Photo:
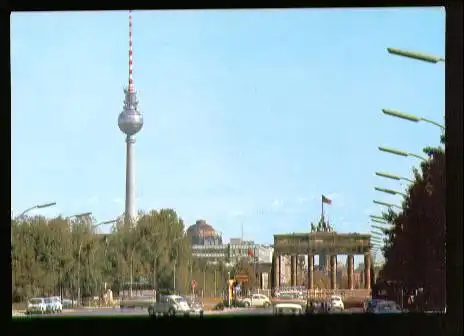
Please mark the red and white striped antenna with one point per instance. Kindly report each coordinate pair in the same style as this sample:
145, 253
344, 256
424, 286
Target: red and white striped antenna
131, 81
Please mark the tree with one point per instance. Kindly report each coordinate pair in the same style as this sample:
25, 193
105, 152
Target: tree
416, 249
57, 256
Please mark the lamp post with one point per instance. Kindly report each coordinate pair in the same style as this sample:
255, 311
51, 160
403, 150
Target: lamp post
393, 177
228, 289
175, 263
382, 229
390, 191
378, 218
86, 214
132, 264
401, 153
410, 117
79, 215
390, 205
131, 275
38, 206
416, 55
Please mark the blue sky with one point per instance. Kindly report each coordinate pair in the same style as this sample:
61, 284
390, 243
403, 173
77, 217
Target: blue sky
249, 115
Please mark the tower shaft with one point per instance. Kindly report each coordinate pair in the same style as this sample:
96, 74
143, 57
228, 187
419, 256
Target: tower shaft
130, 180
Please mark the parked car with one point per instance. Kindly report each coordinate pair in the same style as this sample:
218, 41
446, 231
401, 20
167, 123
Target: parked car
170, 305
36, 305
288, 309
314, 306
137, 302
54, 304
336, 303
67, 303
387, 307
370, 304
257, 300
196, 305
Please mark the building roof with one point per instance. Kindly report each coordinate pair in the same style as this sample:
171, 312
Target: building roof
201, 228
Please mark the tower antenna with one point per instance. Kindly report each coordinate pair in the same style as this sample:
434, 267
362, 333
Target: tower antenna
131, 81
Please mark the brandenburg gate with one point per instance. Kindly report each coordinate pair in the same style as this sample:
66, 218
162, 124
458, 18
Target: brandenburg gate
326, 243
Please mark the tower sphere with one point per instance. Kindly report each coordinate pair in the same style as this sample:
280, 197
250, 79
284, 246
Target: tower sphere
130, 120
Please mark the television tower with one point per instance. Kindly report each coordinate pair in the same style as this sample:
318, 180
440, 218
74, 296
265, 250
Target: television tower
130, 121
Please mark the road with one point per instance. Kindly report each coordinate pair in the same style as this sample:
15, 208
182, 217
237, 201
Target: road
143, 312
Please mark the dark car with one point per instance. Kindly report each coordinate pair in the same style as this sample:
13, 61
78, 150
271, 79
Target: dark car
387, 307
317, 306
371, 304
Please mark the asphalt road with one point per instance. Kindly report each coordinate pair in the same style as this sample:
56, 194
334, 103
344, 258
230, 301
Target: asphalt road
143, 312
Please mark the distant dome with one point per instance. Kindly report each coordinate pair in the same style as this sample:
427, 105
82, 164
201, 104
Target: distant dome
202, 233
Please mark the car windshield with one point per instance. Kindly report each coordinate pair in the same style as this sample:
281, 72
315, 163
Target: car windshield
288, 310
179, 300
35, 301
387, 306
373, 303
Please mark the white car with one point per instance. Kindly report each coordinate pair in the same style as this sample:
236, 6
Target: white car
288, 309
257, 300
170, 305
36, 305
53, 304
336, 303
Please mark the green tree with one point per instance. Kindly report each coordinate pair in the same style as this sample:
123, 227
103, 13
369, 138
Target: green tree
416, 249
57, 256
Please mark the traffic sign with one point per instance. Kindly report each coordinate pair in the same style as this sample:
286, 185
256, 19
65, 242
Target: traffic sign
194, 283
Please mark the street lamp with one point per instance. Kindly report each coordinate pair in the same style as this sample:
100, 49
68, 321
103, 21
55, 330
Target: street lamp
401, 153
393, 177
80, 215
175, 263
411, 117
378, 218
416, 55
86, 214
39, 206
390, 205
228, 289
390, 191
384, 230
132, 264
105, 223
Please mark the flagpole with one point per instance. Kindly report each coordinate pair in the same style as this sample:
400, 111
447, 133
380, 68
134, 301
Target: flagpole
322, 204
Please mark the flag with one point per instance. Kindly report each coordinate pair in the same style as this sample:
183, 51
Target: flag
326, 200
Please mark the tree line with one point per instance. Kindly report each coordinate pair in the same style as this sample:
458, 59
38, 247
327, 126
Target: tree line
59, 256
415, 246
